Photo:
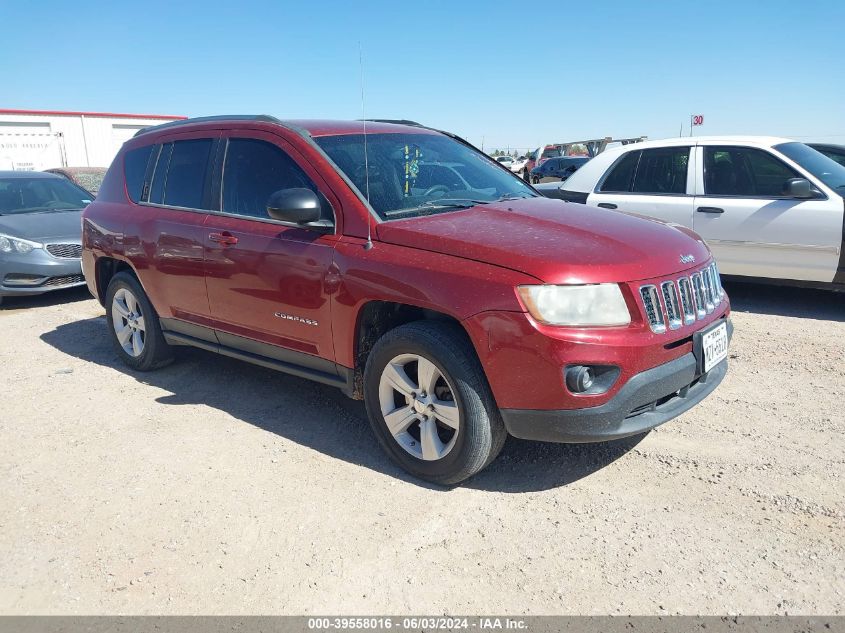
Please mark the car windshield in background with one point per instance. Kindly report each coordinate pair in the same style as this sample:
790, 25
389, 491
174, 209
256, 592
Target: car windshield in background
419, 174
828, 171
40, 195
90, 180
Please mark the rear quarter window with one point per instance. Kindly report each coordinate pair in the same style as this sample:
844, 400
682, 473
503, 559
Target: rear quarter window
135, 170
621, 173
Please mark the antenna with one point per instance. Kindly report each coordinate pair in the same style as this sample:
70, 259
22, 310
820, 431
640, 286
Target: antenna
369, 243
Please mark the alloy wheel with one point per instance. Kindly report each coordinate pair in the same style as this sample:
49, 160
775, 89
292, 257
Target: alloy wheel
128, 322
418, 406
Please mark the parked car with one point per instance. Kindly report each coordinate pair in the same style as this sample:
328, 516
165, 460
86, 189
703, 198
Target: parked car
457, 315
518, 164
40, 241
538, 157
833, 152
89, 178
507, 161
557, 169
770, 208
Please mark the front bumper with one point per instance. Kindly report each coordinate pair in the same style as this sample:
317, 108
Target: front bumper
647, 400
44, 271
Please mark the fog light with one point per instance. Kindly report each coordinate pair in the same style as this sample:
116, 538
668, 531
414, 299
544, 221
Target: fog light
579, 378
22, 279
590, 379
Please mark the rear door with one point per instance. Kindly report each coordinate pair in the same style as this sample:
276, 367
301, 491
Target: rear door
657, 182
167, 247
269, 284
752, 228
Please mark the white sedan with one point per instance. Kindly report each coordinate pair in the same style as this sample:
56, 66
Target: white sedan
767, 207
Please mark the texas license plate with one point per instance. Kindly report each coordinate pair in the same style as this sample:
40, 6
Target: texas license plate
714, 345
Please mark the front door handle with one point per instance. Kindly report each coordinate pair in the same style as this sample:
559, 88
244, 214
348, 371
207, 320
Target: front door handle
710, 210
225, 238
607, 205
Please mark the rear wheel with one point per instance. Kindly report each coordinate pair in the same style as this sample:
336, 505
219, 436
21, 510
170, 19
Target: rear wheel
134, 327
429, 403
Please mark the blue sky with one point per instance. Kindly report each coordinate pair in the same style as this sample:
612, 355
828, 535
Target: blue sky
496, 71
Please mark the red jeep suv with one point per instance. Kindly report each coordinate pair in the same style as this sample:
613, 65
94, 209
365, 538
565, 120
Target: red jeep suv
407, 268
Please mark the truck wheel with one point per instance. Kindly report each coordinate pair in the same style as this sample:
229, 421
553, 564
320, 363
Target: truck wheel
429, 403
133, 324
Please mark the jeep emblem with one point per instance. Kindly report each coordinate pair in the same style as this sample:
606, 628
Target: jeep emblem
687, 259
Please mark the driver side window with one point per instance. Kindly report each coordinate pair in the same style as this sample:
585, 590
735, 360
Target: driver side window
744, 171
253, 170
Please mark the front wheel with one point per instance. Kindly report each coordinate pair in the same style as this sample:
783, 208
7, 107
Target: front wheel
429, 403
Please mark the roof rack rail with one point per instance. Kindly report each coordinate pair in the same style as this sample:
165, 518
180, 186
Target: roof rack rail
396, 121
206, 119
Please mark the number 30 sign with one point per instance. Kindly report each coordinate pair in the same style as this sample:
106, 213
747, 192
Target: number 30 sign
698, 119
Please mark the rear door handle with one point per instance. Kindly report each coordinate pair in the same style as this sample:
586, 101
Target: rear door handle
225, 238
607, 205
710, 210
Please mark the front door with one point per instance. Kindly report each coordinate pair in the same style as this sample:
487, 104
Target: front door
752, 228
267, 282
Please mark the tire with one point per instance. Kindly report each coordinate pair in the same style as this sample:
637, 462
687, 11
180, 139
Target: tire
465, 433
127, 305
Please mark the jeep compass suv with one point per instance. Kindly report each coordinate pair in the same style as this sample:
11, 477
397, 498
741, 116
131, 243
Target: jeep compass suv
460, 309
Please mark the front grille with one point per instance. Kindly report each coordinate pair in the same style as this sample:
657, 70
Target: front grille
65, 280
65, 251
682, 301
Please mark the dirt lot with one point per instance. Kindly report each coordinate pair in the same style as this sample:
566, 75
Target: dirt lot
214, 486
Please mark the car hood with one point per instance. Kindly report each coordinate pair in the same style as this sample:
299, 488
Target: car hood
53, 225
554, 241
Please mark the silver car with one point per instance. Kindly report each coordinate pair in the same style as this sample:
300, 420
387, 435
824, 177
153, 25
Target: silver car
40, 233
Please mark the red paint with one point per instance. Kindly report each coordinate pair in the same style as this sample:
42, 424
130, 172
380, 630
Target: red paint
169, 117
465, 264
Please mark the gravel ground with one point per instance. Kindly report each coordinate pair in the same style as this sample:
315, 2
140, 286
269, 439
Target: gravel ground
213, 486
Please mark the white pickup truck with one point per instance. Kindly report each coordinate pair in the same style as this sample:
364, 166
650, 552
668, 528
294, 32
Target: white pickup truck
769, 208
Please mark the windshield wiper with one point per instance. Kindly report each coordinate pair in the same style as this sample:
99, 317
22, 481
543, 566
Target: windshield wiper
442, 203
515, 196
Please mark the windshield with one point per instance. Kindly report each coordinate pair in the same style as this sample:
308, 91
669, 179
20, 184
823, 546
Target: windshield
419, 174
40, 195
828, 171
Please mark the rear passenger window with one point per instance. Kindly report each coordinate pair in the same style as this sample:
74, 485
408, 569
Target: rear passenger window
662, 171
621, 174
255, 169
135, 169
187, 173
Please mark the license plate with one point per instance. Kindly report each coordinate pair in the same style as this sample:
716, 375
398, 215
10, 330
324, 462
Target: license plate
714, 345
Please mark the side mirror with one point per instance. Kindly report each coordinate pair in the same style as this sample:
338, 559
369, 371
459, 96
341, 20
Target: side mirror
797, 188
297, 206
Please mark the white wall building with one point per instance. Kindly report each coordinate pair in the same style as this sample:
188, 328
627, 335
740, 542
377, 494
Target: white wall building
40, 139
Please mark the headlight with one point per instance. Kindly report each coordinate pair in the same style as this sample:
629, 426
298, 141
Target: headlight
9, 244
597, 304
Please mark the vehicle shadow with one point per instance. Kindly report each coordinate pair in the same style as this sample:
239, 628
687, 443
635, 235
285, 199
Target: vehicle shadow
805, 303
321, 417
55, 297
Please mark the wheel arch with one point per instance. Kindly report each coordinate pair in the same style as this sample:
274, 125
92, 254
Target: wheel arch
374, 319
105, 269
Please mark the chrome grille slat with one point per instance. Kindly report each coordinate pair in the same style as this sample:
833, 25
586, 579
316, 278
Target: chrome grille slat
687, 300
698, 293
670, 299
653, 309
671, 304
65, 251
709, 299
